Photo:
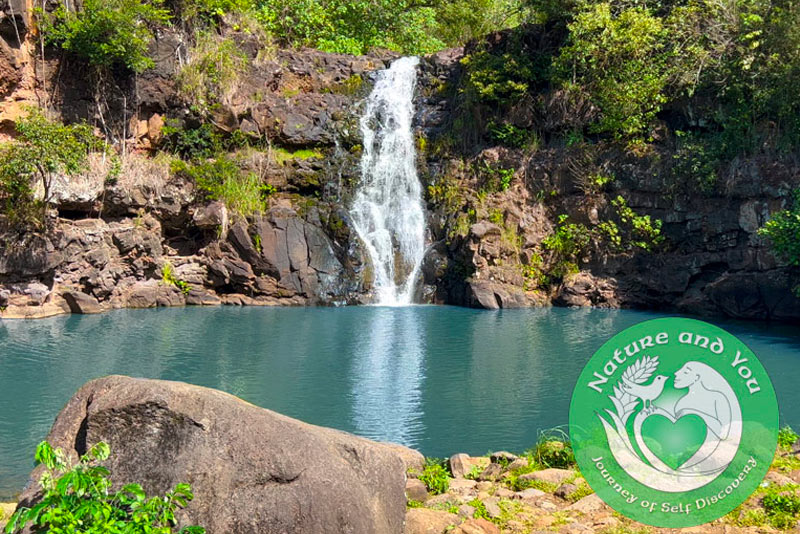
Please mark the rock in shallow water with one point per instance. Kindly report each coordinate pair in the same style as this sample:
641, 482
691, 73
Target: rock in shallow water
252, 470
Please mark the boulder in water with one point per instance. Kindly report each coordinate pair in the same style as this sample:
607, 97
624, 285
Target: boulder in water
252, 470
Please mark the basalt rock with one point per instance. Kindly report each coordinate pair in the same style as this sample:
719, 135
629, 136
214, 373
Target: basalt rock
252, 470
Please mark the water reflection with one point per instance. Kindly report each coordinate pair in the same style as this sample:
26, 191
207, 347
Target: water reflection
387, 376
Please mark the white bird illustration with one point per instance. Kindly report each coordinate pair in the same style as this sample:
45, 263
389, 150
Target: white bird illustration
647, 393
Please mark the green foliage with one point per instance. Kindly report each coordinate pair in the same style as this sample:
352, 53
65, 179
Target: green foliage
571, 241
193, 143
446, 193
107, 33
352, 26
783, 231
282, 156
782, 507
552, 449
786, 438
435, 476
621, 61
584, 490
222, 179
474, 472
496, 178
212, 72
507, 134
640, 230
168, 277
503, 76
695, 162
43, 150
78, 498
464, 20
211, 11
480, 509
567, 243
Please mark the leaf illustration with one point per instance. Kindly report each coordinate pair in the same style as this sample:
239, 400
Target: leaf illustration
641, 370
636, 373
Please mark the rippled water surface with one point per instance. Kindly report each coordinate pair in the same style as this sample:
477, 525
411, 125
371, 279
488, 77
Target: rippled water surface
440, 379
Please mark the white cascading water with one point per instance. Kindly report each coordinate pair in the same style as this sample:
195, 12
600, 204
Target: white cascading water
387, 211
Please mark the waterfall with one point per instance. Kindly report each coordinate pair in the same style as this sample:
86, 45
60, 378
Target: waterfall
387, 210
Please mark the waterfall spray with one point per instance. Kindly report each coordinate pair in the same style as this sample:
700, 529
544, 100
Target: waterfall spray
387, 211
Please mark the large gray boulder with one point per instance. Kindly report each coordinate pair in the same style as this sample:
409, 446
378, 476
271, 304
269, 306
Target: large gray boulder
252, 470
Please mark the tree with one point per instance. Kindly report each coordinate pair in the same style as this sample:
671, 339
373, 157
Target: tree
620, 59
107, 33
43, 150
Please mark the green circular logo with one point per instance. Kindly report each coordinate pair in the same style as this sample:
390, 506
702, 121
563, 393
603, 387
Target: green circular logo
674, 422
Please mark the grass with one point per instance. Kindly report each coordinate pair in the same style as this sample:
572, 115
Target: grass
786, 438
552, 450
282, 156
584, 490
214, 69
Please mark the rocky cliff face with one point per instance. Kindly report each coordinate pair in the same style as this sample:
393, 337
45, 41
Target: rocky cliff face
488, 240
146, 238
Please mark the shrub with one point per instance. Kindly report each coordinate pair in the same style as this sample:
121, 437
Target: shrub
193, 143
43, 150
480, 509
212, 72
352, 26
507, 134
782, 509
168, 277
107, 33
621, 61
77, 497
786, 438
567, 243
783, 231
435, 476
210, 11
553, 449
222, 179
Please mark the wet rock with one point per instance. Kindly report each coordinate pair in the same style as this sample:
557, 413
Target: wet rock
82, 303
493, 296
201, 297
583, 289
272, 475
